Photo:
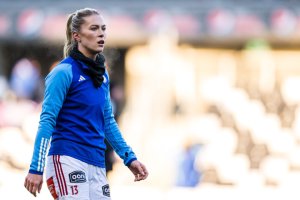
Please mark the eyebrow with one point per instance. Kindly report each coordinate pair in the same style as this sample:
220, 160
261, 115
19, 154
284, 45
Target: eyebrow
104, 25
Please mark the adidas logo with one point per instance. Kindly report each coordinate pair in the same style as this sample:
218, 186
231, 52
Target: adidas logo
81, 78
104, 79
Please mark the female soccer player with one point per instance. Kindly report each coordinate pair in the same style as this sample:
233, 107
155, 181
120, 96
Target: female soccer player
77, 116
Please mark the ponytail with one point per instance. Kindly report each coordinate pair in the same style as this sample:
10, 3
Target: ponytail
69, 42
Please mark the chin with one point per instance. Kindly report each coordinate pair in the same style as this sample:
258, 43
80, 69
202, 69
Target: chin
100, 49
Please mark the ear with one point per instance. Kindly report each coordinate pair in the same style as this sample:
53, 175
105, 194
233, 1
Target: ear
76, 37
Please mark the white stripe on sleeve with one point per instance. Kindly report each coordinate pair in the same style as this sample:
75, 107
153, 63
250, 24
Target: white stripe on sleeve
40, 155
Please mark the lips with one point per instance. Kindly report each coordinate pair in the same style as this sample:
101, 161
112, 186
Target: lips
101, 42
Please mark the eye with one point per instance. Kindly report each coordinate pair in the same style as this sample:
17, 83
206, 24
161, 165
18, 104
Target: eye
103, 28
94, 28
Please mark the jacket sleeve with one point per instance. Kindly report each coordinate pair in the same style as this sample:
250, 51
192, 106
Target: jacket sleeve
114, 136
57, 84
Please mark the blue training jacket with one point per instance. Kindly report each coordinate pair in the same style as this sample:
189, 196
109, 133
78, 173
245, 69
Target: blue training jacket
77, 117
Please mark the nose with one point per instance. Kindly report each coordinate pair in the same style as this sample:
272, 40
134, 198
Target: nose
101, 34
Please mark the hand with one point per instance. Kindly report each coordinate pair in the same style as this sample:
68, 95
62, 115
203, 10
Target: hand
139, 170
33, 183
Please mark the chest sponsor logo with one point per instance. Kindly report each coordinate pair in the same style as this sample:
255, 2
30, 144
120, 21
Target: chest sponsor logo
105, 190
77, 177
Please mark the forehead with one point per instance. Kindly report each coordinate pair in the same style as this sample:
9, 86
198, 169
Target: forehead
93, 20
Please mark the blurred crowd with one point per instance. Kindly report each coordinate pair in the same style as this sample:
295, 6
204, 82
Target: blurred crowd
20, 98
215, 118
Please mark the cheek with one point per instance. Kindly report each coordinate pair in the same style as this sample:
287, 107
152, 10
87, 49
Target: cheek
89, 37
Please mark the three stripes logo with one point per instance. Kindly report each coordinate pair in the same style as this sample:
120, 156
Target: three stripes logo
81, 78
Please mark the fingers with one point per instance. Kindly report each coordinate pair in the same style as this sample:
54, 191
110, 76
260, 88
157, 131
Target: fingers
34, 189
25, 183
40, 187
145, 171
136, 177
28, 185
140, 169
142, 172
32, 186
139, 177
139, 173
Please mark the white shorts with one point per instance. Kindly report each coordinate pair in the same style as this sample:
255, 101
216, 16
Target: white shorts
69, 178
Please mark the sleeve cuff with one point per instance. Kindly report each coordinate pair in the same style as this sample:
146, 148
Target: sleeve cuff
130, 161
35, 172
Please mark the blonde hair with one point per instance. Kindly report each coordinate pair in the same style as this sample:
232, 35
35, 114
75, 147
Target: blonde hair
75, 20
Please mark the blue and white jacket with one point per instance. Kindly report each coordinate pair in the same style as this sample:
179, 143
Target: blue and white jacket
77, 117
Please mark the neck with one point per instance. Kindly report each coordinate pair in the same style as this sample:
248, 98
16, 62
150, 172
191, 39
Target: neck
86, 53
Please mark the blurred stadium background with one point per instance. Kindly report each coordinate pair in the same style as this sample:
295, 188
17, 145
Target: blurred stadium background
206, 92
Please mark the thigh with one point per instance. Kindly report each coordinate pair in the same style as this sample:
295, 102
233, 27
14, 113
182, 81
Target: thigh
99, 187
67, 178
